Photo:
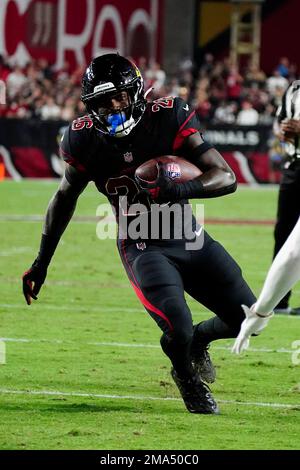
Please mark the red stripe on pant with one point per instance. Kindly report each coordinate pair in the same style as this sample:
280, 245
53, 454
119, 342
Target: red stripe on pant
149, 306
140, 294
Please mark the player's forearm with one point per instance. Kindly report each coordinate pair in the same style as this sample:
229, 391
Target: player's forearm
283, 274
217, 177
59, 213
213, 183
218, 182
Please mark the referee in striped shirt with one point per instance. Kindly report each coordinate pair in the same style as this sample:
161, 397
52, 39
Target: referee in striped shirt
287, 129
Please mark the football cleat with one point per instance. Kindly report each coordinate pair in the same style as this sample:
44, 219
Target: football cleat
287, 310
195, 394
295, 311
202, 362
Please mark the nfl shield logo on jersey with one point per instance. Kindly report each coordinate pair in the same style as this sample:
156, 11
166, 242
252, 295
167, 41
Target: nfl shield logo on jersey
128, 157
141, 246
173, 171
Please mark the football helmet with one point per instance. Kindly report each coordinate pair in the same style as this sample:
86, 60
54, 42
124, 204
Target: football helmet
113, 93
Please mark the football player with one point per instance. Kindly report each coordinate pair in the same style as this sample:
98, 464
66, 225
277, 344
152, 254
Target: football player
283, 274
120, 132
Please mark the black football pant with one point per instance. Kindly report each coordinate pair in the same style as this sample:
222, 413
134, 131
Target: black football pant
288, 211
161, 272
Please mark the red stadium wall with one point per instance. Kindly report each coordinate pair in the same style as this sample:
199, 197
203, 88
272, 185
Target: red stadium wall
279, 35
75, 31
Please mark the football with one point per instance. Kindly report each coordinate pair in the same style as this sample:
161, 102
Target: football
176, 168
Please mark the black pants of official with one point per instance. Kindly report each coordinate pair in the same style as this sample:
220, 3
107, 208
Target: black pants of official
160, 273
288, 211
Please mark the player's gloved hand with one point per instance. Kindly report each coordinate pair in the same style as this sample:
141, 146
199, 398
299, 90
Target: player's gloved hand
33, 279
162, 189
254, 323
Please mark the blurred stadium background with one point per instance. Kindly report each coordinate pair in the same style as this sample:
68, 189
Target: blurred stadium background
71, 359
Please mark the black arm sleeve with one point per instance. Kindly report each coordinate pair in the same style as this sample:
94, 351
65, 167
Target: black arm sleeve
219, 183
195, 189
47, 248
59, 213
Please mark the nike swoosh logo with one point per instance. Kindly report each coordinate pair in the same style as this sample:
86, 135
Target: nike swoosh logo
186, 107
198, 232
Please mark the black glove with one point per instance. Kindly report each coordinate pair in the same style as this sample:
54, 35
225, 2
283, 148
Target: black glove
37, 275
162, 189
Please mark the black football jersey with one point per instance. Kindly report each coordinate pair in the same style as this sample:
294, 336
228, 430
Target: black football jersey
111, 162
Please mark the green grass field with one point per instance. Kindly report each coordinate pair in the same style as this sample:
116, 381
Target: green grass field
83, 365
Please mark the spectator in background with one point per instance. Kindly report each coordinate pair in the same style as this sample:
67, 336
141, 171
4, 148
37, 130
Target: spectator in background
15, 81
283, 67
225, 113
142, 64
156, 78
276, 158
44, 68
202, 104
184, 93
255, 77
276, 99
4, 70
266, 118
76, 76
275, 82
64, 73
248, 116
207, 65
50, 110
36, 107
186, 69
292, 72
68, 110
218, 85
17, 109
234, 84
173, 87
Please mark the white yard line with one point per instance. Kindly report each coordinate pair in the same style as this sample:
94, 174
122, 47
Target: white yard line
130, 345
41, 218
138, 397
78, 308
16, 250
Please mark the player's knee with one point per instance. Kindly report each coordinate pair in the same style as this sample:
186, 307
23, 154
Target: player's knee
175, 339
